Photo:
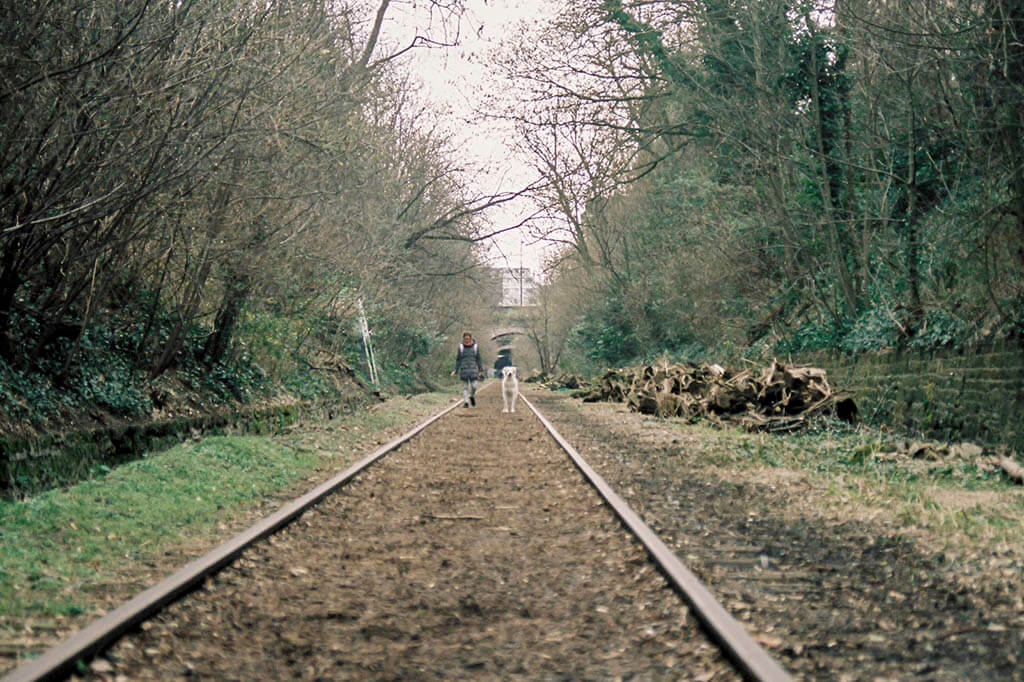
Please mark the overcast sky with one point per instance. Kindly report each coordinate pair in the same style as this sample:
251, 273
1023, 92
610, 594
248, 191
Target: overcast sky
455, 79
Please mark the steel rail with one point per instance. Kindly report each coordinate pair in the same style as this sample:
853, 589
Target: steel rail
59, 661
747, 654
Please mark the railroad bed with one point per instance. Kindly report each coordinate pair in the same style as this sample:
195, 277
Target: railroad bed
477, 551
474, 550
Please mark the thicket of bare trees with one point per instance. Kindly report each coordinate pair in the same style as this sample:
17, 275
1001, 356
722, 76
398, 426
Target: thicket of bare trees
208, 181
185, 178
840, 173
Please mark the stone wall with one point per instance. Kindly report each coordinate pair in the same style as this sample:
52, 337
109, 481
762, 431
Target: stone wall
975, 395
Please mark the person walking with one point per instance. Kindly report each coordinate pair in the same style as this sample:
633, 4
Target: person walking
470, 367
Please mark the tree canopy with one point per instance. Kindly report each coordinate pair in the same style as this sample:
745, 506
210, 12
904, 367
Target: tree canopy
775, 176
219, 181
226, 183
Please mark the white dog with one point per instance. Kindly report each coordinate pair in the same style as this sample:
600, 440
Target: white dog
509, 387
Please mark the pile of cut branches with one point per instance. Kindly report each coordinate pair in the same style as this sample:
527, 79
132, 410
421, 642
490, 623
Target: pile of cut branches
776, 398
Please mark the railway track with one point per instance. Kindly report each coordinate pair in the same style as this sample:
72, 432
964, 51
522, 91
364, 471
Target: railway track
473, 550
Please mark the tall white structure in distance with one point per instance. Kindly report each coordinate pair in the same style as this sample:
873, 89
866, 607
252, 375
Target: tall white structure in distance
518, 287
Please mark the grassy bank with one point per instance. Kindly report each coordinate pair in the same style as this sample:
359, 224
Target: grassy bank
67, 554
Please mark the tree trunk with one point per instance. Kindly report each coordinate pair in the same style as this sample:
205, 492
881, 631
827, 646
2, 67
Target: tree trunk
235, 294
830, 218
371, 42
9, 283
910, 225
190, 305
1008, 32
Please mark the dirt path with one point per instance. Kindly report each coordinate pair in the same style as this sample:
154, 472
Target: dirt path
473, 552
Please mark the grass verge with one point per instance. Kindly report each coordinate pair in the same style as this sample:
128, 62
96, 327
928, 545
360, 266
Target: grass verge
959, 506
67, 554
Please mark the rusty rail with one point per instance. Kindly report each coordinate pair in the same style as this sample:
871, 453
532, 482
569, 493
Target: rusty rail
747, 654
59, 661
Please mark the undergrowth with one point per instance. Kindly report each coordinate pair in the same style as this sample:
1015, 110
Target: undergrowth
107, 378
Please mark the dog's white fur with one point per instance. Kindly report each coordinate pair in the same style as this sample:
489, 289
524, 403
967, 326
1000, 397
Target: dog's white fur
509, 387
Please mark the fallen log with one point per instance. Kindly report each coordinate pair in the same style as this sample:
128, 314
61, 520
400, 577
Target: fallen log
1012, 469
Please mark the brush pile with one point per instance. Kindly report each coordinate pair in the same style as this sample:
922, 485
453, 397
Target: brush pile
776, 399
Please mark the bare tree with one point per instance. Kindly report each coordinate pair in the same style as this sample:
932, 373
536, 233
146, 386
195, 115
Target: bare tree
106, 110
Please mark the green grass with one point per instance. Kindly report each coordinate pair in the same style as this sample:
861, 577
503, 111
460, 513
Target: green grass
64, 538
950, 498
57, 548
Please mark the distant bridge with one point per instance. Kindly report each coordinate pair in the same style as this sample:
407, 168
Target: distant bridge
509, 335
505, 339
506, 333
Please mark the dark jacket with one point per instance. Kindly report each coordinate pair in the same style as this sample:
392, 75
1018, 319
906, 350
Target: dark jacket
468, 364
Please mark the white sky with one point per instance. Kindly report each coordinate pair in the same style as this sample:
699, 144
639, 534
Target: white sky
455, 79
